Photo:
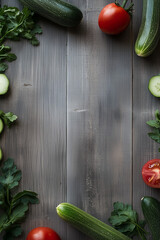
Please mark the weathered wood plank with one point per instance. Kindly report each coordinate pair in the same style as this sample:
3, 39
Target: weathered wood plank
144, 106
99, 122
38, 142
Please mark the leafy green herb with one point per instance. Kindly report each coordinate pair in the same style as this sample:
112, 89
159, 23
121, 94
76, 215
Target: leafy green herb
155, 124
5, 55
125, 220
14, 25
13, 207
13, 232
8, 118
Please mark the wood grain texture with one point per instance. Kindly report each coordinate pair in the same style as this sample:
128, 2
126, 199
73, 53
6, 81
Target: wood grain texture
99, 117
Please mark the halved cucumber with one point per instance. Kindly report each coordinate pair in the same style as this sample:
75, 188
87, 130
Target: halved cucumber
4, 84
154, 86
1, 125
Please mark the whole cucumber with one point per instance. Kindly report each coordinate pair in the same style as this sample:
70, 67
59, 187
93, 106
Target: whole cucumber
151, 212
149, 33
57, 11
88, 224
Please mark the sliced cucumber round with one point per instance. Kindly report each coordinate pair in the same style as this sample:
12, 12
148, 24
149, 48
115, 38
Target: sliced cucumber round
4, 84
1, 125
154, 86
1, 154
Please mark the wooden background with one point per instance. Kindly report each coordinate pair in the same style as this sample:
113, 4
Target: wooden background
82, 102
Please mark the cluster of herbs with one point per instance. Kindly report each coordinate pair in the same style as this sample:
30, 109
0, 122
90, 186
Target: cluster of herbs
8, 118
15, 25
13, 206
155, 124
126, 221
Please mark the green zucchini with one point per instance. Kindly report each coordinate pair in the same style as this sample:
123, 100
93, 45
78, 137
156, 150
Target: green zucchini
88, 224
149, 32
151, 212
57, 11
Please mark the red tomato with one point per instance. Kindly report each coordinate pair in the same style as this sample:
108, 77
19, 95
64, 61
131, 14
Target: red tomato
43, 233
113, 19
151, 173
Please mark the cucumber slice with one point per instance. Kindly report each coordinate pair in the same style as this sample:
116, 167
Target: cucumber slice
1, 125
154, 86
1, 154
4, 84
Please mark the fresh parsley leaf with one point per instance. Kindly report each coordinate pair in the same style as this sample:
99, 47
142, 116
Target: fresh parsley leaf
5, 55
37, 29
8, 118
10, 175
15, 25
13, 206
18, 213
155, 124
3, 67
13, 232
2, 196
155, 135
34, 41
3, 219
125, 220
25, 197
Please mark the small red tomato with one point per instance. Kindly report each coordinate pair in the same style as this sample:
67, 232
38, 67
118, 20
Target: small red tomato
114, 19
43, 233
151, 173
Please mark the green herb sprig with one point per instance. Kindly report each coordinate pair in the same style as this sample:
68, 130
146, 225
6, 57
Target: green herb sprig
125, 220
8, 118
15, 25
13, 206
155, 124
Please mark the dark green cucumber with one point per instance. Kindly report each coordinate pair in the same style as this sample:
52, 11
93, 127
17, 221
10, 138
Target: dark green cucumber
151, 212
88, 224
57, 11
149, 33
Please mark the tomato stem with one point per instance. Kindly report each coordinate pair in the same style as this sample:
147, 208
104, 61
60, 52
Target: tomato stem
124, 3
117, 3
130, 8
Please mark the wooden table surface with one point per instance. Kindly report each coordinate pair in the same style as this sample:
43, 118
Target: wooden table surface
82, 101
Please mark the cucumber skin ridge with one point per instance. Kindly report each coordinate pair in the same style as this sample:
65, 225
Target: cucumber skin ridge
151, 212
1, 154
1, 125
88, 224
148, 36
58, 11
